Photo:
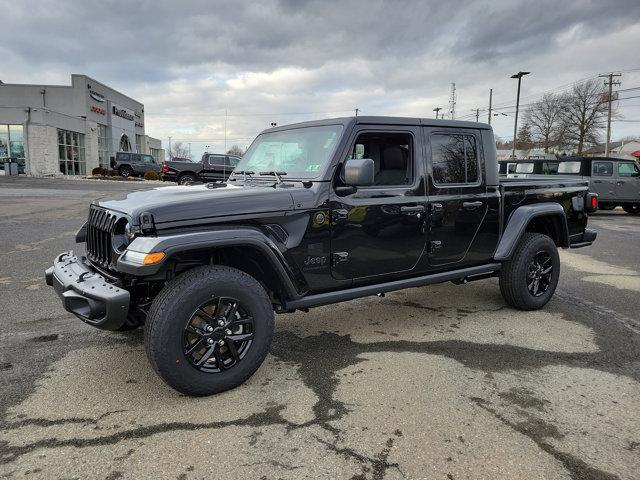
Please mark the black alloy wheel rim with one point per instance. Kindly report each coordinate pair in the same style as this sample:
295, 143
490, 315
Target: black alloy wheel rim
218, 335
539, 273
185, 180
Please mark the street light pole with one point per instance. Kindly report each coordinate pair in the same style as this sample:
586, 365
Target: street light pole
519, 76
437, 109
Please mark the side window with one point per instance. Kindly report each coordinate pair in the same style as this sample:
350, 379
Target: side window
216, 160
569, 168
124, 157
602, 169
628, 169
392, 155
550, 168
135, 158
454, 159
511, 168
147, 159
233, 161
524, 167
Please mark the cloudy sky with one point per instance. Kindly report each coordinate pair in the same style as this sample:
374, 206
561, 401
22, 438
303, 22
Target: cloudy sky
286, 61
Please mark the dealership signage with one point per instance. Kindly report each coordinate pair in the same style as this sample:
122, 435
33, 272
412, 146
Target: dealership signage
122, 113
99, 110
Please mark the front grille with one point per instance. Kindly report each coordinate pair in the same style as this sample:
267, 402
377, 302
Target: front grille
100, 229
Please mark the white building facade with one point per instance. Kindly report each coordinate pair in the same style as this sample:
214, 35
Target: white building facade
70, 130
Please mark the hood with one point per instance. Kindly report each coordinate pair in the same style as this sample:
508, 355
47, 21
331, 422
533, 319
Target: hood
179, 203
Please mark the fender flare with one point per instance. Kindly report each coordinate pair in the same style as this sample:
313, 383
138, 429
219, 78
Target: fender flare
520, 219
211, 239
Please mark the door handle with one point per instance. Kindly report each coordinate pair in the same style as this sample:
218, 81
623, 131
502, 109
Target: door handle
413, 209
436, 207
472, 204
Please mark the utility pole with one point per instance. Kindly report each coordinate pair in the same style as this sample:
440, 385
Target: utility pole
477, 114
225, 130
170, 157
437, 109
519, 76
490, 99
452, 102
357, 110
610, 83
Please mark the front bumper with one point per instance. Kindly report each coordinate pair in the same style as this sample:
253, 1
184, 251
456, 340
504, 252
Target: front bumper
86, 293
585, 239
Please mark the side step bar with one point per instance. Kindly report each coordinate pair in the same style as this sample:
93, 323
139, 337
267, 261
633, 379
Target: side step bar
368, 290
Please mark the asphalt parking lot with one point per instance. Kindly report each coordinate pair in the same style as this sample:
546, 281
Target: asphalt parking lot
442, 382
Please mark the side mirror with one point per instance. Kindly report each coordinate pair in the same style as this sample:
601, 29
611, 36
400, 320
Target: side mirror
359, 172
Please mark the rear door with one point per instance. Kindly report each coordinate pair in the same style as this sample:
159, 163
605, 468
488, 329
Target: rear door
136, 163
628, 181
457, 194
603, 181
215, 167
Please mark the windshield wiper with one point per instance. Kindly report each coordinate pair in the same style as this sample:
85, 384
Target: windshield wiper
244, 174
275, 174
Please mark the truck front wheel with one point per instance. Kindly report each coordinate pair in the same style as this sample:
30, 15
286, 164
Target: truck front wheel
209, 330
632, 208
529, 279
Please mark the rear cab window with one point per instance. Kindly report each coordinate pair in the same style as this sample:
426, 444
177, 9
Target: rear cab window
569, 168
454, 159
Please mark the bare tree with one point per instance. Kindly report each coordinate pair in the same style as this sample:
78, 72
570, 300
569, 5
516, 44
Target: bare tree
585, 114
523, 139
545, 119
180, 150
235, 150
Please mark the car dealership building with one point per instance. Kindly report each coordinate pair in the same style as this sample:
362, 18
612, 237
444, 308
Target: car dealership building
60, 129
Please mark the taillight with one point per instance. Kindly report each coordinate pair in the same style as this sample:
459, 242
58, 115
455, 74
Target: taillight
165, 168
591, 202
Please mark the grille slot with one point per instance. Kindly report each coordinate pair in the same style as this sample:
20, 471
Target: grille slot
100, 228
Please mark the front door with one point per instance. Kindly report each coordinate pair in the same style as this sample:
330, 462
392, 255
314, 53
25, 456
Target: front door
380, 229
458, 200
602, 180
628, 182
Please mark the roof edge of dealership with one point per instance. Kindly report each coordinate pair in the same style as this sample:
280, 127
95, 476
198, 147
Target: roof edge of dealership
70, 129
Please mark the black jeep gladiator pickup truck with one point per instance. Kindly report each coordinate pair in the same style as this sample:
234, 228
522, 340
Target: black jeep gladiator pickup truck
211, 167
315, 213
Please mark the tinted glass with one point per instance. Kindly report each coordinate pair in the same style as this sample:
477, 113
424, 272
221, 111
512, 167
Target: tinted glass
123, 157
447, 153
233, 161
216, 159
147, 159
627, 169
602, 169
550, 168
472, 158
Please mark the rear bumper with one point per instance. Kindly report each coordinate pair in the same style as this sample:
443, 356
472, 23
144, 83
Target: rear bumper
86, 293
584, 240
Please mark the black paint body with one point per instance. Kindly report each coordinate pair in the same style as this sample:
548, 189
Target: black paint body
303, 229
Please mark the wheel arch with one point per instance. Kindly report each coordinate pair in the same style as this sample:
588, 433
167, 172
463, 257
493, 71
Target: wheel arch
547, 218
246, 249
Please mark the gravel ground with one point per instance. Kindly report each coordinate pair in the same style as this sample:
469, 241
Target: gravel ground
441, 382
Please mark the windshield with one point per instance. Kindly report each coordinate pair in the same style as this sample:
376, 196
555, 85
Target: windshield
300, 152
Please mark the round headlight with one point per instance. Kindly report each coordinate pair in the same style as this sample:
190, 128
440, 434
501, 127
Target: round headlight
129, 235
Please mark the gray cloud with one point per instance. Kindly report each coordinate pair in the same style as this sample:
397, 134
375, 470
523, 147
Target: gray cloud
189, 59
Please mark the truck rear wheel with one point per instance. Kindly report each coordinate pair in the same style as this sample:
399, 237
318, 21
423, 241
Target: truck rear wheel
125, 171
632, 208
186, 179
529, 279
209, 330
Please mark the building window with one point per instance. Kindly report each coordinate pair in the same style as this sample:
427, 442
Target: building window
155, 153
125, 144
140, 144
12, 144
71, 152
103, 146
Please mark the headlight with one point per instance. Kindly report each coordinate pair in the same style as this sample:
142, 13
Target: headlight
129, 234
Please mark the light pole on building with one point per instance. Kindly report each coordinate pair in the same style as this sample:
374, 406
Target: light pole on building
519, 76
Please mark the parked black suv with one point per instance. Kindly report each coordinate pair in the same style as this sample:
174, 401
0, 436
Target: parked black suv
211, 167
128, 164
315, 213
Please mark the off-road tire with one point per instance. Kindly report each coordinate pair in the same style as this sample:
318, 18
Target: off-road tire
632, 209
186, 179
171, 310
125, 172
513, 274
